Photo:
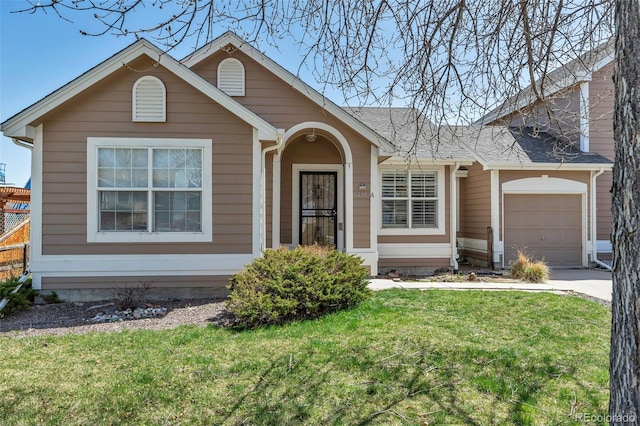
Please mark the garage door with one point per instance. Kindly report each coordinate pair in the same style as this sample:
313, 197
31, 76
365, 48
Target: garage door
547, 226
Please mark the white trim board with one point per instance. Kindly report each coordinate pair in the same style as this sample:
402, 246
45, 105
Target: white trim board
139, 265
414, 250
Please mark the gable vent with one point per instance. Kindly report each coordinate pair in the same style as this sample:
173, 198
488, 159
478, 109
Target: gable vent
149, 100
231, 77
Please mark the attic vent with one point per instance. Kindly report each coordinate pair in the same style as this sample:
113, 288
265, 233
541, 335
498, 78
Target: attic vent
149, 100
231, 77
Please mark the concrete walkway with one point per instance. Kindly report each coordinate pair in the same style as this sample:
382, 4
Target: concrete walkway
593, 283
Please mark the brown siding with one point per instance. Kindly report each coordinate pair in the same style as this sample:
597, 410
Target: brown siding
283, 106
475, 207
559, 115
601, 141
104, 110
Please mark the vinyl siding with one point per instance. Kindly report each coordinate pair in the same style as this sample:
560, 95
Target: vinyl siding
558, 115
284, 107
475, 206
104, 110
601, 141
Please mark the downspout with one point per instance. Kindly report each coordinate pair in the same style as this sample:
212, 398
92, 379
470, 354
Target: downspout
453, 216
263, 186
594, 238
23, 144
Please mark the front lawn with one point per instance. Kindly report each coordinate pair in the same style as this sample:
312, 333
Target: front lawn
404, 357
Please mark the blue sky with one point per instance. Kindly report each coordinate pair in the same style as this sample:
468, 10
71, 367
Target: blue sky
40, 53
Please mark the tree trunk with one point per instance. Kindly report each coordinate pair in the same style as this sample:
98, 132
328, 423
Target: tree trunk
624, 402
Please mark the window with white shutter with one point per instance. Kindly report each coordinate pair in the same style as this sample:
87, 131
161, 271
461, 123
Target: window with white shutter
410, 199
231, 77
149, 100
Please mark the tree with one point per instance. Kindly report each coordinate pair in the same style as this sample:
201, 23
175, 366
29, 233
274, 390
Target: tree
450, 59
625, 329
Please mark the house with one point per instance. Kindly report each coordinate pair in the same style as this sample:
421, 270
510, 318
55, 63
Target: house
577, 110
181, 172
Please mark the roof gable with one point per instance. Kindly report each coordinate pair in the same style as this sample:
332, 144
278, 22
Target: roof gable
230, 38
17, 126
576, 71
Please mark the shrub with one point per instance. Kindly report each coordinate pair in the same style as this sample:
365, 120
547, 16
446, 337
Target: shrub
129, 297
526, 269
285, 285
20, 300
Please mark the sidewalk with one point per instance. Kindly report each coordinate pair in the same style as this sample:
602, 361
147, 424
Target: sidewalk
593, 283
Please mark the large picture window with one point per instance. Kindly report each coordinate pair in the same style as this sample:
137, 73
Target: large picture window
150, 187
410, 199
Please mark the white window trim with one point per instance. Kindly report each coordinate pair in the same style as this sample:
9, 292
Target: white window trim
134, 104
440, 229
95, 236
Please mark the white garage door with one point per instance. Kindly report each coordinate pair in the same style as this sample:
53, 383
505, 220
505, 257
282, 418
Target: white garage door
546, 226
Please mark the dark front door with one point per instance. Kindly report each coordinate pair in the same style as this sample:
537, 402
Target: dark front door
318, 211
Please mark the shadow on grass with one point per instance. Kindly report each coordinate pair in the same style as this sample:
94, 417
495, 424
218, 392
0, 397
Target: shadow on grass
422, 387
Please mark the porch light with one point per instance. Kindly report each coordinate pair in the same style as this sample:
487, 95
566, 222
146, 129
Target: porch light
312, 136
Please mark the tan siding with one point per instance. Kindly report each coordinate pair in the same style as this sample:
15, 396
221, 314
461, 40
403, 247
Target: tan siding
601, 141
603, 205
601, 112
105, 111
475, 206
280, 104
559, 115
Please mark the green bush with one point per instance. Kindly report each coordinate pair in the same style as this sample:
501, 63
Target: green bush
285, 285
526, 269
21, 300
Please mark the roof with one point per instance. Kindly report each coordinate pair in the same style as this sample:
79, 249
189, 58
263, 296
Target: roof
499, 147
413, 135
231, 38
18, 125
575, 71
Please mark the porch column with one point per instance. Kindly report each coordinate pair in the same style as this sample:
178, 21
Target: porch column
275, 195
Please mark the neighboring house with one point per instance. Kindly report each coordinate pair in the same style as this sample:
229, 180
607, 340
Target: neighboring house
181, 172
577, 110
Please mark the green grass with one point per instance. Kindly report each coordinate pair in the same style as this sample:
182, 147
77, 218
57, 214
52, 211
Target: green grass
404, 357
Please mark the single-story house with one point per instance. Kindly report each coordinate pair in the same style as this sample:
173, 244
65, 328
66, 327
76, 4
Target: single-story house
181, 172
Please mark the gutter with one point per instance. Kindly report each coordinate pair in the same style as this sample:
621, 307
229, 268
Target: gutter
594, 239
263, 186
453, 216
23, 144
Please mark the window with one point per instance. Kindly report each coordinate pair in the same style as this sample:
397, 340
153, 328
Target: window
410, 200
149, 100
149, 190
231, 77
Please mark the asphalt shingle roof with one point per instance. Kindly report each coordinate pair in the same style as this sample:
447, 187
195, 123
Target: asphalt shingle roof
413, 135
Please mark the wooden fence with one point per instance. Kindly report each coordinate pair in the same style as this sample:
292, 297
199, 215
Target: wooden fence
14, 251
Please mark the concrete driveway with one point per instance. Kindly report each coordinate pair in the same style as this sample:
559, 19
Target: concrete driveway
591, 282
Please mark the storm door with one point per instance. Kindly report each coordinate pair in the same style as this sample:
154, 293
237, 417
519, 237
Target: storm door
318, 208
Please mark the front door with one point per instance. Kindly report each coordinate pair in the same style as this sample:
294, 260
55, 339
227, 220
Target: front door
318, 208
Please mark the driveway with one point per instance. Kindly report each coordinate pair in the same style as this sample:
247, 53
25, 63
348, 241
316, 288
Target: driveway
591, 282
